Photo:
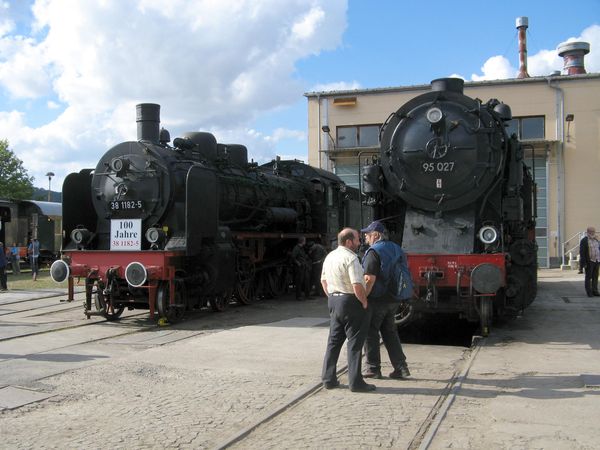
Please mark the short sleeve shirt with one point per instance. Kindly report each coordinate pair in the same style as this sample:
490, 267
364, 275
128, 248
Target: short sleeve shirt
372, 263
342, 269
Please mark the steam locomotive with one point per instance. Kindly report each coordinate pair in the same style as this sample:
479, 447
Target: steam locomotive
168, 228
455, 192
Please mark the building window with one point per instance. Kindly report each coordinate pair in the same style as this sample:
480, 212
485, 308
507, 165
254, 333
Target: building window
527, 128
358, 136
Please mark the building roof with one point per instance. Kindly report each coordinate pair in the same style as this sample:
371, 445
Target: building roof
421, 87
46, 208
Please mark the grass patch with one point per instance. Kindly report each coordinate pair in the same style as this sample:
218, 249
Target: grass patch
23, 281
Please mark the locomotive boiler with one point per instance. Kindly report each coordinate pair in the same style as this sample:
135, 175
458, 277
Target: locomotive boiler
169, 228
455, 192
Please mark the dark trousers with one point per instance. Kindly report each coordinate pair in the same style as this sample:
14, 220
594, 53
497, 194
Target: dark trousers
382, 321
591, 277
348, 320
15, 266
315, 277
302, 280
35, 266
3, 278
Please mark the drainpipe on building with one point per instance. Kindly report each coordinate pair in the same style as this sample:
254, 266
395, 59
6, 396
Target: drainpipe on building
322, 122
560, 134
319, 148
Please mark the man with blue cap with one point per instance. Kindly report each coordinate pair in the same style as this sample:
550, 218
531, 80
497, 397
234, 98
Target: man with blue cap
378, 264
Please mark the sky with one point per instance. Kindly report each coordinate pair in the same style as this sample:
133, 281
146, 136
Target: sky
72, 71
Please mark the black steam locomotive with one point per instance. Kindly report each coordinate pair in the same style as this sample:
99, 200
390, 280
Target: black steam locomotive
454, 191
169, 228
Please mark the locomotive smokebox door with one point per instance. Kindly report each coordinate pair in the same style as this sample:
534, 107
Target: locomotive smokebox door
202, 212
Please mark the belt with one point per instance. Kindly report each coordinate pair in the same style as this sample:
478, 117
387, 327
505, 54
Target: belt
337, 294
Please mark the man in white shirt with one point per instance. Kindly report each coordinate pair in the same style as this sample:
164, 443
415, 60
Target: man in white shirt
342, 279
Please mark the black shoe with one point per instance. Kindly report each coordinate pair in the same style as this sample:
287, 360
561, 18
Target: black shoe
590, 295
363, 388
400, 373
596, 294
372, 374
331, 384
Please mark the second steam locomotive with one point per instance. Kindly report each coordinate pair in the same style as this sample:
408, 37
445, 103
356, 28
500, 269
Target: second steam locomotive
164, 227
455, 192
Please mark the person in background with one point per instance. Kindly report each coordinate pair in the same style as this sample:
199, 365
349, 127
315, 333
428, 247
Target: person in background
378, 263
15, 259
589, 258
343, 280
301, 263
317, 254
3, 262
34, 255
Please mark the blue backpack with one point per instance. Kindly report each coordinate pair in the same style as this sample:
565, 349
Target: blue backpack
401, 284
398, 281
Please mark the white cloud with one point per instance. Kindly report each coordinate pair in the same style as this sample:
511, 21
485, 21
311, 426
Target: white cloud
336, 86
209, 64
592, 59
495, 68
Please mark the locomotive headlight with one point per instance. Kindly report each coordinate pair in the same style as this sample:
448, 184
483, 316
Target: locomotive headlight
154, 235
434, 115
488, 235
80, 235
119, 164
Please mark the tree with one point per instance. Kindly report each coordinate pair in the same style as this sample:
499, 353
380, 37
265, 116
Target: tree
15, 183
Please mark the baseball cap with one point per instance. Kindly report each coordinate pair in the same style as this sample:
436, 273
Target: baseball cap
374, 226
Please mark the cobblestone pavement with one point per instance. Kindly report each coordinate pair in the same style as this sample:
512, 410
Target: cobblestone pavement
387, 418
536, 382
198, 392
530, 386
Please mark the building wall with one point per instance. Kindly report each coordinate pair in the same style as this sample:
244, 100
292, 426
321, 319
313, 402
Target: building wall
572, 154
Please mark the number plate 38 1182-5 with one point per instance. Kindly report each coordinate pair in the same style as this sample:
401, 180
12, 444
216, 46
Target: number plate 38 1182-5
126, 205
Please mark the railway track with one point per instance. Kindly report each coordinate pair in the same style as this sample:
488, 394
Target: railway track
421, 440
27, 317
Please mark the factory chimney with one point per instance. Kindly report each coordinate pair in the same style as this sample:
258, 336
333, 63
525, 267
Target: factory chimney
573, 54
522, 25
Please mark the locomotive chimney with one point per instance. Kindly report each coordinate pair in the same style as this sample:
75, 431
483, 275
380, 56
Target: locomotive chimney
148, 122
573, 54
448, 84
522, 25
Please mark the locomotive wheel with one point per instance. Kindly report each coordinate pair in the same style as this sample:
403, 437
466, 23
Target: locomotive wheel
521, 289
485, 315
220, 302
245, 290
404, 314
172, 313
103, 303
